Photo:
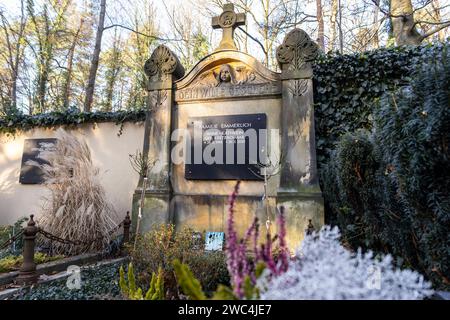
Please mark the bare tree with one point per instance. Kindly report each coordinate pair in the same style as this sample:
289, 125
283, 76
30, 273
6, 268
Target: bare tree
46, 28
376, 24
113, 67
95, 58
140, 46
14, 36
333, 18
405, 25
69, 71
267, 21
437, 11
194, 44
341, 33
321, 25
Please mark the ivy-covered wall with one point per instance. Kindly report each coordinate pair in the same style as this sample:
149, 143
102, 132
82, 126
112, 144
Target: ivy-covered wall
348, 89
18, 121
387, 186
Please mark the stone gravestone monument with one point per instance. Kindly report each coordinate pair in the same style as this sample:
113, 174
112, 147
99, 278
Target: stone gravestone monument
222, 101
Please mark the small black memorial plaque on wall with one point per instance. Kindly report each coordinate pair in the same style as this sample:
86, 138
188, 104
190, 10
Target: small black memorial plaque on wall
231, 147
32, 150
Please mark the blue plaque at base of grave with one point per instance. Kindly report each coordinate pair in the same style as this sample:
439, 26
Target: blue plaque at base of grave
214, 241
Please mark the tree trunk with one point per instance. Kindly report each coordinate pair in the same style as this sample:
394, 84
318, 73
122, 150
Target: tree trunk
341, 34
333, 18
42, 85
17, 60
15, 68
437, 13
95, 59
12, 84
403, 26
321, 26
67, 84
375, 39
14, 54
66, 91
266, 9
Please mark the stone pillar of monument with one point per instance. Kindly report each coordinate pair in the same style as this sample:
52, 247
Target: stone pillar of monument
299, 189
162, 69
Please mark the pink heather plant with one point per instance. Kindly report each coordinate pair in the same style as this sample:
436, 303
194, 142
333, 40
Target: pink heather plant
238, 265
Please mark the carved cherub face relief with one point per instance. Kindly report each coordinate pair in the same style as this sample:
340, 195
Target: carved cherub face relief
225, 74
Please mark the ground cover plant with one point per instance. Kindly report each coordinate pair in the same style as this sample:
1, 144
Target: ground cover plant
97, 283
156, 249
14, 262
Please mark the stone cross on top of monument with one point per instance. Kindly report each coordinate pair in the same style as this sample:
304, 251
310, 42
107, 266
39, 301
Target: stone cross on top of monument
228, 21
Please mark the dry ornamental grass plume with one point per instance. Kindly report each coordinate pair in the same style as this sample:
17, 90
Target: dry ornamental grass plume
77, 207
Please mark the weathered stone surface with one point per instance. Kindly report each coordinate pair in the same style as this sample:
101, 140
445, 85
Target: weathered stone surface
210, 212
229, 82
295, 55
225, 75
300, 208
162, 67
156, 210
297, 119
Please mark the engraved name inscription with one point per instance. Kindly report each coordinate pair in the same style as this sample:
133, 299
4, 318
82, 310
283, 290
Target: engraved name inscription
200, 93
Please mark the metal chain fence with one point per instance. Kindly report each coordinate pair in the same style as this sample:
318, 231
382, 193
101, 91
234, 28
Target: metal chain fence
53, 237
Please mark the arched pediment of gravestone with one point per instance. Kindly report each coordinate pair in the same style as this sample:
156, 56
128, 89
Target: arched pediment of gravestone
237, 72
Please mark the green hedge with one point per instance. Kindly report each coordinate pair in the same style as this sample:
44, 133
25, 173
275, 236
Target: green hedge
389, 188
348, 89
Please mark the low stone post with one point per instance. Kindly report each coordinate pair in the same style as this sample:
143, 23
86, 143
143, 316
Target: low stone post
27, 273
126, 228
310, 229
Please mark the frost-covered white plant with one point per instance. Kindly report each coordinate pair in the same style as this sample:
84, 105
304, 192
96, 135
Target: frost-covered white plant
323, 269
